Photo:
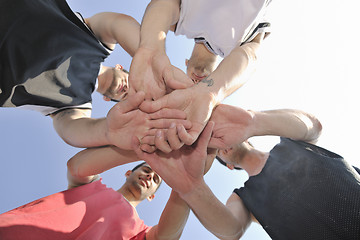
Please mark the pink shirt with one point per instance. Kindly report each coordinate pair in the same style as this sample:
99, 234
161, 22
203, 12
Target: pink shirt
89, 212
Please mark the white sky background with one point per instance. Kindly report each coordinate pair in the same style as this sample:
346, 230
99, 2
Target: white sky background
309, 62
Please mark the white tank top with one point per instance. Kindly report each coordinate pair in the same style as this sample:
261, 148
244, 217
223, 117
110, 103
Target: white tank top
224, 24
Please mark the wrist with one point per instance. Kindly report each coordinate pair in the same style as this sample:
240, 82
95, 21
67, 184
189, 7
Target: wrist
197, 189
207, 93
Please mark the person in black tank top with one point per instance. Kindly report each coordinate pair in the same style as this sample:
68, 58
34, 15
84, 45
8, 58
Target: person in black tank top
50, 58
296, 191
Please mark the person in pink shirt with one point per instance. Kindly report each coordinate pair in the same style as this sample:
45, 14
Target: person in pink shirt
92, 211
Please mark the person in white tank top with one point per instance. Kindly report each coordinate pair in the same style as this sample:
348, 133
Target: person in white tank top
220, 28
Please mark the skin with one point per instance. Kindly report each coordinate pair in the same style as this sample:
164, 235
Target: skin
186, 177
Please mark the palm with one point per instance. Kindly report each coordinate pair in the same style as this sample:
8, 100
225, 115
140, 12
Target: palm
228, 129
181, 168
143, 76
196, 105
125, 120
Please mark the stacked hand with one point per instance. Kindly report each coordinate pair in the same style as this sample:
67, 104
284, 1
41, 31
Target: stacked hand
232, 125
125, 120
180, 169
152, 72
197, 105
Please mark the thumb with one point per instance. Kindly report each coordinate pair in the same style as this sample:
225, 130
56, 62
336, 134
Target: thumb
131, 103
205, 136
154, 106
175, 78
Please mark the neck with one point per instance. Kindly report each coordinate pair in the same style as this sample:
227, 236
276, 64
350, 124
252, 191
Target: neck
201, 50
254, 161
104, 74
129, 196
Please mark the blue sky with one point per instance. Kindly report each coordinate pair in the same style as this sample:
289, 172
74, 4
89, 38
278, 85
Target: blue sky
309, 62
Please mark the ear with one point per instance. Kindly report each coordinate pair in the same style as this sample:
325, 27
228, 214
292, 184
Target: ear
151, 197
186, 62
106, 99
227, 150
230, 166
128, 173
118, 67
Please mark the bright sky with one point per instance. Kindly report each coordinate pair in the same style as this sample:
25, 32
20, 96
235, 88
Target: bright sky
309, 62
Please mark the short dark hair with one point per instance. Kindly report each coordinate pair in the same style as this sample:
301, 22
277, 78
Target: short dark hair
137, 166
222, 162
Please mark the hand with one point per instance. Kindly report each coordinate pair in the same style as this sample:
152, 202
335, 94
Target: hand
125, 120
232, 125
197, 105
152, 72
180, 169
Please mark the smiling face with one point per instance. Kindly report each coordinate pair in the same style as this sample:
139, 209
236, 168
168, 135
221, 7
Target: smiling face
143, 182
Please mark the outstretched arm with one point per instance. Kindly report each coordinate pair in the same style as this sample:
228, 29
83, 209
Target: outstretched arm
172, 220
123, 121
151, 70
85, 166
235, 125
112, 28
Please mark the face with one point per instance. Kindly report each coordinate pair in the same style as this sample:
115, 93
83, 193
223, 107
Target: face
229, 157
198, 69
201, 63
117, 86
144, 181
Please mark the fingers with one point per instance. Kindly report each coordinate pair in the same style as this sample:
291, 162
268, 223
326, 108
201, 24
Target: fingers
153, 106
161, 143
166, 123
173, 138
186, 137
168, 113
131, 103
147, 148
205, 135
135, 145
175, 78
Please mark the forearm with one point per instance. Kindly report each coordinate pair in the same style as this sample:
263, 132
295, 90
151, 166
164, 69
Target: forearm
94, 161
159, 16
209, 210
172, 220
232, 72
294, 124
112, 28
76, 128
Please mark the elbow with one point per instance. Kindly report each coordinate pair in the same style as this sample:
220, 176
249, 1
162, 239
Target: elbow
315, 130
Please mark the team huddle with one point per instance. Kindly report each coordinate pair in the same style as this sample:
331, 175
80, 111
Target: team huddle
173, 122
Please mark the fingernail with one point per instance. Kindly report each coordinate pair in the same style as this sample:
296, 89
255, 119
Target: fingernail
172, 125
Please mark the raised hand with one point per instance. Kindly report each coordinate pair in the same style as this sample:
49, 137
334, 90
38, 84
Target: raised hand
152, 72
232, 125
180, 169
197, 105
125, 120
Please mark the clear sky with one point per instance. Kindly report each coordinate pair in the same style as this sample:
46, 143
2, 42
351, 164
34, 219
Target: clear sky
309, 62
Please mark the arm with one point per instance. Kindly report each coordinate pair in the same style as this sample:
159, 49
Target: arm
172, 220
183, 170
199, 100
151, 70
122, 122
235, 125
112, 28
85, 166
